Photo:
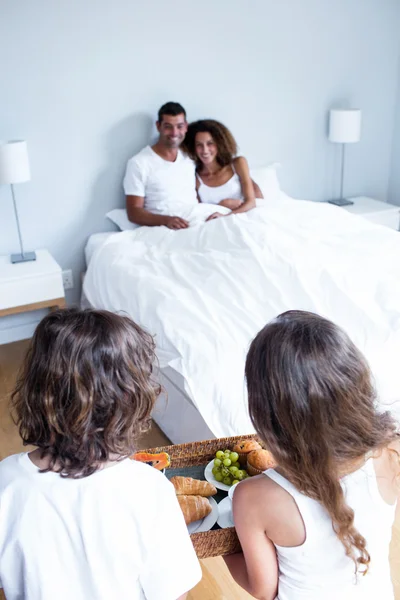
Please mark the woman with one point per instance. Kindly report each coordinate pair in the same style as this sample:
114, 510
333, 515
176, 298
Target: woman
222, 177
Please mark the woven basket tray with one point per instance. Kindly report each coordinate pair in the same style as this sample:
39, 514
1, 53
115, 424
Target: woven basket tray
216, 542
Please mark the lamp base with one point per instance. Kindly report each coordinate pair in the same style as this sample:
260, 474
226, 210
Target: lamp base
25, 257
341, 202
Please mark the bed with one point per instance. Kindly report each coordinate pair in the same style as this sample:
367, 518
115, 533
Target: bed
206, 291
175, 399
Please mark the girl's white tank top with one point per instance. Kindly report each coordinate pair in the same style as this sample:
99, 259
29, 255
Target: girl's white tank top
319, 569
214, 195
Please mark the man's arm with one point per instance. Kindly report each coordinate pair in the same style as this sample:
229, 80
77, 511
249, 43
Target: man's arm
139, 215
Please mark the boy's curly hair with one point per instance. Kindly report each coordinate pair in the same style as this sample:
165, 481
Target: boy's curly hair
86, 389
226, 144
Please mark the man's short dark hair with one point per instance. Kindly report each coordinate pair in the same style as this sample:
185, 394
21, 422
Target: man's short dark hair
171, 108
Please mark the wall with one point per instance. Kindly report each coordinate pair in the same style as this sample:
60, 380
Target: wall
82, 82
394, 187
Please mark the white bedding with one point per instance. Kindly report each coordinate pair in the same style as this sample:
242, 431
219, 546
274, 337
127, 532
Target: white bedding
94, 242
207, 290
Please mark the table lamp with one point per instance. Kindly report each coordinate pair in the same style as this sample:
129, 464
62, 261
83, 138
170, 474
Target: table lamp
14, 168
344, 128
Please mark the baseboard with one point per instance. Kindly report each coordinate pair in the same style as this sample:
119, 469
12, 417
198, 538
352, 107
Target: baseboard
18, 332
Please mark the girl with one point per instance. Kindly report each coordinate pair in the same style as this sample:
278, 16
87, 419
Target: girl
319, 525
222, 178
78, 518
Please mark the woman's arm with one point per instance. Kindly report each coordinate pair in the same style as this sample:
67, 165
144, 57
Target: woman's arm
256, 569
231, 203
242, 169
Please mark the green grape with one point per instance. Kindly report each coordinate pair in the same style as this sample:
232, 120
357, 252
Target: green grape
219, 454
240, 475
217, 462
235, 481
225, 472
236, 464
227, 481
227, 453
227, 462
215, 471
234, 456
233, 470
218, 477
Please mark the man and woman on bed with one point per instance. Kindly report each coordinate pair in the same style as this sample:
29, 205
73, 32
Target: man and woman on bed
162, 181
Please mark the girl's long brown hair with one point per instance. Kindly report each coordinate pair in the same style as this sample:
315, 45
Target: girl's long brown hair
312, 400
86, 389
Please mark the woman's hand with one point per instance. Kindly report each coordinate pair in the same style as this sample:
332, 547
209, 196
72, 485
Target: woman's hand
215, 215
231, 203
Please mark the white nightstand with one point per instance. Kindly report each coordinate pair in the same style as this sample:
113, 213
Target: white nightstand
376, 211
30, 285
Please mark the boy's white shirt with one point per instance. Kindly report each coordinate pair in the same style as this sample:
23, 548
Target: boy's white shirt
118, 533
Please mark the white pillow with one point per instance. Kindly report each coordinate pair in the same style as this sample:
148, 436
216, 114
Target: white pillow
267, 179
120, 218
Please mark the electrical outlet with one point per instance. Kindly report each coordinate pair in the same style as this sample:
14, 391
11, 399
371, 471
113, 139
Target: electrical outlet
68, 280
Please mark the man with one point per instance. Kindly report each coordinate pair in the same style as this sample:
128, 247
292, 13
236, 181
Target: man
159, 181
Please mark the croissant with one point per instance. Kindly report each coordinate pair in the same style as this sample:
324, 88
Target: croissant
194, 507
192, 487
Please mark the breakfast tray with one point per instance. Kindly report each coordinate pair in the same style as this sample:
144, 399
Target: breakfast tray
190, 460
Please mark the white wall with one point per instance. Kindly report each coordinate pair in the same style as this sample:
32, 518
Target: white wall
394, 188
82, 81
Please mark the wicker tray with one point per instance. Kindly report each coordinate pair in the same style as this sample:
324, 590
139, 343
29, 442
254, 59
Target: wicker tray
186, 460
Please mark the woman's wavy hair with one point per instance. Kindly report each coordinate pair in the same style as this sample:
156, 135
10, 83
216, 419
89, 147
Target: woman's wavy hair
312, 401
226, 144
86, 389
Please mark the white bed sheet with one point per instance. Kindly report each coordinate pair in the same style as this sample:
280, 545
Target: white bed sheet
94, 242
206, 291
175, 412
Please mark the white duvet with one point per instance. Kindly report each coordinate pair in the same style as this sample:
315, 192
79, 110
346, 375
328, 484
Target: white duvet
205, 292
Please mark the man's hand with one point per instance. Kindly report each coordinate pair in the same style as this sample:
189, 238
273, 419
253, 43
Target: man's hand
176, 223
231, 203
215, 215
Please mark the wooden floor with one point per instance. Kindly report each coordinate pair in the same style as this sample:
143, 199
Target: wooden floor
216, 583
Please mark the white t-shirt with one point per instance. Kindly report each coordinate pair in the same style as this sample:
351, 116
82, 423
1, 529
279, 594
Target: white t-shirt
168, 188
118, 533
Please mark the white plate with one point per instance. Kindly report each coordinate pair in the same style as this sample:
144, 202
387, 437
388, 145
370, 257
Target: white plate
208, 521
208, 474
225, 517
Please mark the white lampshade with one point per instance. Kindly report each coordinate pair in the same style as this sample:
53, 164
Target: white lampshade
345, 125
14, 162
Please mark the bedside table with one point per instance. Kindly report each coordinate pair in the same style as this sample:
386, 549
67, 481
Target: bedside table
376, 211
30, 285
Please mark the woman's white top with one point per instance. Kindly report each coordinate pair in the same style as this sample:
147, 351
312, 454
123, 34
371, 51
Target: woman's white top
214, 195
117, 534
319, 569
